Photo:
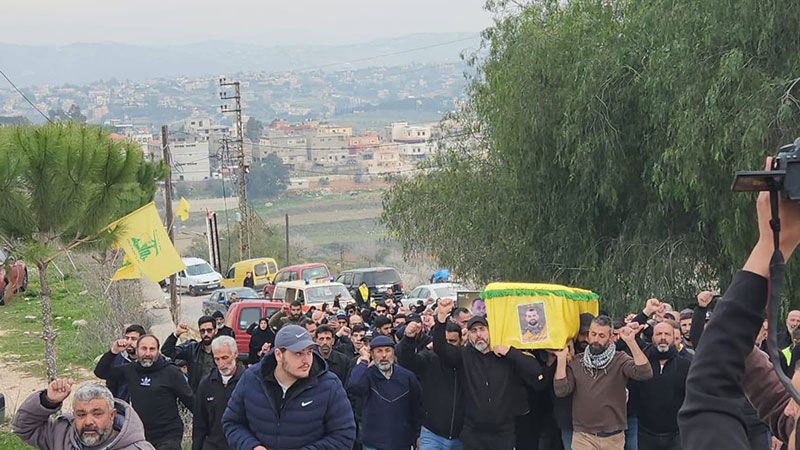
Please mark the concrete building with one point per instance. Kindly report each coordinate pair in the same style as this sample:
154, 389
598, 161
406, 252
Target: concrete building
417, 150
190, 156
403, 132
205, 128
382, 160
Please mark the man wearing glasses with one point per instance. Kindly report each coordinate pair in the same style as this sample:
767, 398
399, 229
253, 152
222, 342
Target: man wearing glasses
197, 355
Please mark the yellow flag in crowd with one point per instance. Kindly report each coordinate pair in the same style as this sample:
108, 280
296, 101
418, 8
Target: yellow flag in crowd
147, 244
536, 316
183, 209
127, 271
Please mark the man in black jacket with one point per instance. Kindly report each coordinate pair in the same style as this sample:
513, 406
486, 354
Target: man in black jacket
338, 363
197, 355
722, 369
222, 329
493, 382
213, 394
155, 386
443, 408
658, 399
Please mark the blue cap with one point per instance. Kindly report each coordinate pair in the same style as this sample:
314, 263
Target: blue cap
381, 341
293, 338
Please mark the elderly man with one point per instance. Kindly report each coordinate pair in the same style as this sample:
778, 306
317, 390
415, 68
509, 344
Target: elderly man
289, 400
792, 322
98, 421
213, 394
598, 379
391, 397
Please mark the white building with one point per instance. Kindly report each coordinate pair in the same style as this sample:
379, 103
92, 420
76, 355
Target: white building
189, 157
403, 132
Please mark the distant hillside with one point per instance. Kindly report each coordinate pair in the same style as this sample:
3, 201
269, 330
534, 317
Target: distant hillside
81, 63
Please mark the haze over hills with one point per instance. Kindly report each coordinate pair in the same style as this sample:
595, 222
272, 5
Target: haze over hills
87, 62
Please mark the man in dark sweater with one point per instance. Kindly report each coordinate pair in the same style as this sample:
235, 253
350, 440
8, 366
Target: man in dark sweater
391, 398
658, 399
727, 366
155, 386
441, 390
338, 363
197, 355
598, 379
131, 336
212, 396
493, 382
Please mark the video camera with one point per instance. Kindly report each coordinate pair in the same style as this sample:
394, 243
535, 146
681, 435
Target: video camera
784, 176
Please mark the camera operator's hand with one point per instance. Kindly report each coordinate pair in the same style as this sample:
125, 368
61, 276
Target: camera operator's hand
758, 262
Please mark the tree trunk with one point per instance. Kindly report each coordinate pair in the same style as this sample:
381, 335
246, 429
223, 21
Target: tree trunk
48, 334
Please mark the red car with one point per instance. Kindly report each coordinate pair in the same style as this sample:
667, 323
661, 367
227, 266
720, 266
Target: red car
242, 313
13, 276
309, 272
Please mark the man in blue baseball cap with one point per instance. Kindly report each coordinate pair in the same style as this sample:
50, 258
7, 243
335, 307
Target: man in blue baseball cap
289, 400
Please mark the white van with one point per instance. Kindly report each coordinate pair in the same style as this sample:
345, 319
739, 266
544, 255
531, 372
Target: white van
312, 293
198, 277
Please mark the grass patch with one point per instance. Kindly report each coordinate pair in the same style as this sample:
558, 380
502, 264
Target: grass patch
21, 327
10, 441
342, 232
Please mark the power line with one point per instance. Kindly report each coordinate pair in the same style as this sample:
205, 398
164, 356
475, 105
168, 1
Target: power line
24, 96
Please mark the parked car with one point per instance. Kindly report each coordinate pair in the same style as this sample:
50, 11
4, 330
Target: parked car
241, 314
378, 280
434, 291
13, 276
198, 277
311, 271
220, 299
311, 293
263, 270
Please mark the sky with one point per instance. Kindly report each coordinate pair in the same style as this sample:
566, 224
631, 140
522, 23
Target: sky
263, 22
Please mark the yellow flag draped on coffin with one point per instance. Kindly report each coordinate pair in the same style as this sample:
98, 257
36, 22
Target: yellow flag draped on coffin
535, 316
147, 244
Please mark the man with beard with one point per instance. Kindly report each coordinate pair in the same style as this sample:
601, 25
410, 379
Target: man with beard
98, 421
222, 329
213, 394
441, 397
390, 395
598, 379
289, 400
493, 381
197, 355
383, 326
792, 322
132, 334
155, 386
338, 363
290, 314
534, 330
658, 399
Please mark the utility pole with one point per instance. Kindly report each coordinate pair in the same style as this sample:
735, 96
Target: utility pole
287, 240
241, 174
173, 291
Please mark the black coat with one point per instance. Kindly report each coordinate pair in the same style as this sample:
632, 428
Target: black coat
154, 393
209, 406
189, 351
340, 365
225, 331
442, 402
258, 338
494, 387
658, 399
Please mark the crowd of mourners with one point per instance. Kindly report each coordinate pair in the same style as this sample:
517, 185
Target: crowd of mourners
383, 376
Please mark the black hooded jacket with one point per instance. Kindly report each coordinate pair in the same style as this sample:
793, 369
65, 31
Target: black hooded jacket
154, 393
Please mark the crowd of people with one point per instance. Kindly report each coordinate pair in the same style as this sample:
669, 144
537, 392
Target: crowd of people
389, 377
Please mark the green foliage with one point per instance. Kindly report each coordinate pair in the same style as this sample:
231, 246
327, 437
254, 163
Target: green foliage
267, 179
253, 129
606, 135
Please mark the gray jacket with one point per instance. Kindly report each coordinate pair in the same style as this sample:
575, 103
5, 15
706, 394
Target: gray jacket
33, 425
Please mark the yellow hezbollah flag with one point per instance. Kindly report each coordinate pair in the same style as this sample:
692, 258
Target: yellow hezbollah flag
146, 243
127, 271
536, 316
183, 209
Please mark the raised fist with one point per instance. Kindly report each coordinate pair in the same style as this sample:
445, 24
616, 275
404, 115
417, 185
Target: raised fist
118, 346
59, 389
343, 331
651, 306
704, 298
444, 307
628, 333
182, 328
413, 329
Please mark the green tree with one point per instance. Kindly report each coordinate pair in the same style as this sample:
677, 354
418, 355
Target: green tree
267, 179
74, 114
60, 185
599, 142
253, 129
